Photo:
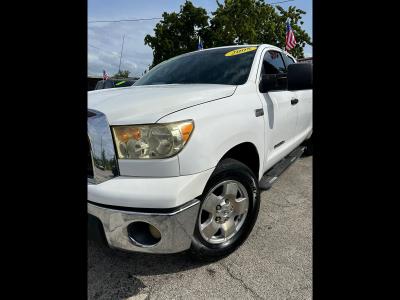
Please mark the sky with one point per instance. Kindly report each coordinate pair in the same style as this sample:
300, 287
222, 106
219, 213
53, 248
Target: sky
105, 39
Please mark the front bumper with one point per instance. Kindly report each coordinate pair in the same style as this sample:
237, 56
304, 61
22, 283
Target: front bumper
176, 227
149, 192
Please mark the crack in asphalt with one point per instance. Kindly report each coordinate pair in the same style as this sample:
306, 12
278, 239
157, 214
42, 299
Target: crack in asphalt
148, 297
288, 203
253, 292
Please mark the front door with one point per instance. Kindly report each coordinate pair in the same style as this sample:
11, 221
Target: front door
280, 113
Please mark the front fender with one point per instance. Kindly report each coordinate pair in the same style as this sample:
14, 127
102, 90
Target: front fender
219, 126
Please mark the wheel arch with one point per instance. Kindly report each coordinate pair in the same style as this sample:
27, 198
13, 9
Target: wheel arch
246, 153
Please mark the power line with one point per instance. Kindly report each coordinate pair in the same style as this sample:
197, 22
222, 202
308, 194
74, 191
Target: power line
95, 47
280, 2
125, 20
149, 19
110, 52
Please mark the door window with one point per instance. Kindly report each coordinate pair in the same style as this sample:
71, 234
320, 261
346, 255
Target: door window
288, 60
273, 65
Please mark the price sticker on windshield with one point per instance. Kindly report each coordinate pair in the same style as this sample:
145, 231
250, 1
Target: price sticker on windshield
240, 51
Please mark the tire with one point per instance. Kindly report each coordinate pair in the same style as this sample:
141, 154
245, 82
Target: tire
227, 174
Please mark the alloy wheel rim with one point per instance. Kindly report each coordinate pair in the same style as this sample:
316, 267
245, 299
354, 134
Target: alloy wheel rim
223, 212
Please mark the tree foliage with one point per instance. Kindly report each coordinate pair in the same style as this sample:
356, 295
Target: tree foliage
235, 22
177, 32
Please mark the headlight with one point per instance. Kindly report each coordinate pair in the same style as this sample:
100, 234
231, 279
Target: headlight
151, 141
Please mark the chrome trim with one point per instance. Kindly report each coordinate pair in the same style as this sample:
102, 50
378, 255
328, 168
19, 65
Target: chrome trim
176, 228
104, 159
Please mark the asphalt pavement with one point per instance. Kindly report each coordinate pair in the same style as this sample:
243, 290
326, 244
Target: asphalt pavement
274, 263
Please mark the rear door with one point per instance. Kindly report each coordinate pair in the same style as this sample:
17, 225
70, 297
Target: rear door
304, 119
280, 114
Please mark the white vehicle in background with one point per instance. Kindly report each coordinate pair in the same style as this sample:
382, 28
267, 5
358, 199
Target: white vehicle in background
187, 148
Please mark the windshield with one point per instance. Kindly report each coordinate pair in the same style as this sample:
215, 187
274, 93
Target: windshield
218, 66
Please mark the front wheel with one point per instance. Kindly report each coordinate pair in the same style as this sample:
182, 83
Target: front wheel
228, 211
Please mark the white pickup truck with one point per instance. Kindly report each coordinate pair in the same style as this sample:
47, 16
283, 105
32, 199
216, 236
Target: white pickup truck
177, 160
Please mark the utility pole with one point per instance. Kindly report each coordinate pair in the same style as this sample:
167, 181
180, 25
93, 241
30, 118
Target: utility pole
122, 49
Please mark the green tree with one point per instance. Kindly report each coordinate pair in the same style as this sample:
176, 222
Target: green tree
239, 22
177, 33
122, 74
235, 22
302, 38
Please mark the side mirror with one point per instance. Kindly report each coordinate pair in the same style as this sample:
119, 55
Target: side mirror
272, 82
300, 77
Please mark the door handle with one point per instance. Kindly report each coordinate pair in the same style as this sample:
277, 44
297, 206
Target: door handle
259, 112
294, 101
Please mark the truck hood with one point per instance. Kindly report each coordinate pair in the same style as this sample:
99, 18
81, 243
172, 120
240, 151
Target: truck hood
148, 103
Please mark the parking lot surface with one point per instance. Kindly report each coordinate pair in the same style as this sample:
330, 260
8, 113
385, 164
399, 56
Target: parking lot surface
274, 263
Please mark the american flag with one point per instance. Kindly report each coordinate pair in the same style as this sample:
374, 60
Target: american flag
105, 75
290, 40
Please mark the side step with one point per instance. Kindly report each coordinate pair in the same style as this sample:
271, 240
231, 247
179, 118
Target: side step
270, 176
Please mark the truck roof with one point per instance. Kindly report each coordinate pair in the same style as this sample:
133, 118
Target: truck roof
246, 45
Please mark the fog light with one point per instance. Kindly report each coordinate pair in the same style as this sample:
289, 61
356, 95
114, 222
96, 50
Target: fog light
154, 232
143, 234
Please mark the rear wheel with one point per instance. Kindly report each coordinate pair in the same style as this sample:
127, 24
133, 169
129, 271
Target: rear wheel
228, 210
